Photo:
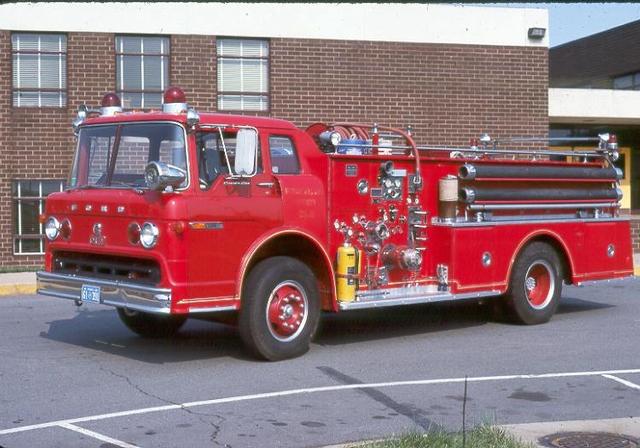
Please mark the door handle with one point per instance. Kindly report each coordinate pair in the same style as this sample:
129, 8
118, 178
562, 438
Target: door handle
265, 184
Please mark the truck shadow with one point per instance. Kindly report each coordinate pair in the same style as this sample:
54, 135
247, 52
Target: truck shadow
344, 328
101, 330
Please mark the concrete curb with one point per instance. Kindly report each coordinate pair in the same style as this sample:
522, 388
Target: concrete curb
15, 289
16, 283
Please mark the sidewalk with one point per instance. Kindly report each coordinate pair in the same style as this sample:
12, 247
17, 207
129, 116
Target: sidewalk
532, 432
17, 283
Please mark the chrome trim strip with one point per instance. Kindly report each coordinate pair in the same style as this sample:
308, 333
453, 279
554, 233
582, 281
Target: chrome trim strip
602, 280
213, 309
114, 293
504, 222
206, 225
403, 296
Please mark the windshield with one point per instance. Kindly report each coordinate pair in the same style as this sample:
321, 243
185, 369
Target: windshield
116, 155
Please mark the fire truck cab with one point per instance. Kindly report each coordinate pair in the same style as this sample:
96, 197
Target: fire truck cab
175, 214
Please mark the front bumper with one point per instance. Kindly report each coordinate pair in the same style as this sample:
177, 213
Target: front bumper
115, 293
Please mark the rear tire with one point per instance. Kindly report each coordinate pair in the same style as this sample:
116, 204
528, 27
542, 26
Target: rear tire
535, 286
151, 325
280, 309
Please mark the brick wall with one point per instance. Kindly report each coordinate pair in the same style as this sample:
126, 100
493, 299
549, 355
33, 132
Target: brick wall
6, 147
635, 234
193, 68
449, 93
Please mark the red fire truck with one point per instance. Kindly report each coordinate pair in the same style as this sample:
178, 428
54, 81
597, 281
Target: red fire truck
173, 214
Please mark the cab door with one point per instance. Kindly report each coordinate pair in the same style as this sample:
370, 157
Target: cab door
303, 198
227, 215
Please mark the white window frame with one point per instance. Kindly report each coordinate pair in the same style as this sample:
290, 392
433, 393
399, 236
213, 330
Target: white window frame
62, 59
264, 93
165, 58
19, 199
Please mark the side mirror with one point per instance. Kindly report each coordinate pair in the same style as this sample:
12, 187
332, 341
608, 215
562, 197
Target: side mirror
246, 152
159, 176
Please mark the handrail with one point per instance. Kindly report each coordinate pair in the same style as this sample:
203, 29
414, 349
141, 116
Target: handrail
583, 153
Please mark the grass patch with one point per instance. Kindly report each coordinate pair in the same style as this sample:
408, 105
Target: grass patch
11, 269
479, 437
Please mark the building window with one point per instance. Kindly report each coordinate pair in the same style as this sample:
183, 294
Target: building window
243, 74
142, 70
627, 82
39, 70
28, 204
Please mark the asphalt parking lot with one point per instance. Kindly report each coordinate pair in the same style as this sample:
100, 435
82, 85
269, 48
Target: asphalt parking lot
78, 378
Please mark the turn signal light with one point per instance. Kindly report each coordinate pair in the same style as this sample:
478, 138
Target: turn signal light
65, 229
133, 233
178, 227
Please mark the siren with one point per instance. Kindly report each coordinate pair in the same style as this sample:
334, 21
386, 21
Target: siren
174, 101
110, 104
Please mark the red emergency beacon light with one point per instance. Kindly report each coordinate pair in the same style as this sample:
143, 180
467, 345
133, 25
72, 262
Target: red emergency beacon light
110, 104
174, 101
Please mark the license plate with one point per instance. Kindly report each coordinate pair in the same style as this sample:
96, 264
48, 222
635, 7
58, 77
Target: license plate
90, 293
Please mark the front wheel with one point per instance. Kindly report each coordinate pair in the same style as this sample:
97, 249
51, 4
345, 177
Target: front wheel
535, 286
150, 325
280, 309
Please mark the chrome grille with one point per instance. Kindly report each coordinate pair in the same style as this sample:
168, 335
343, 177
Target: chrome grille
110, 267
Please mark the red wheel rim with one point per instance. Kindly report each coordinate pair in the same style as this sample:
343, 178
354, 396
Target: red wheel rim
539, 284
287, 311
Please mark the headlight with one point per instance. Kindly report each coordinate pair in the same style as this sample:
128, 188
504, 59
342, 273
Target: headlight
52, 228
149, 235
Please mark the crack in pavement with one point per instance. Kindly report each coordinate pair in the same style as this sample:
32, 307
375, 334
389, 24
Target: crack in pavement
217, 427
416, 415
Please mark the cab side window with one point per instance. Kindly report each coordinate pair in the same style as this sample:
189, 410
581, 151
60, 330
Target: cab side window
211, 159
284, 159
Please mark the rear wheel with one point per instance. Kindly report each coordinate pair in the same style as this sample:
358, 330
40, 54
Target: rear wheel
535, 286
150, 325
280, 309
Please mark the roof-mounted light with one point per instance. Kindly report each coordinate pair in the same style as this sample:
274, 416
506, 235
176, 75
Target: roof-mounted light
174, 101
330, 138
110, 104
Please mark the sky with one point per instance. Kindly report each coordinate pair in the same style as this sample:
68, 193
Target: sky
570, 21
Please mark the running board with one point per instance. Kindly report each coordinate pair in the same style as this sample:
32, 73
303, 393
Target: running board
409, 296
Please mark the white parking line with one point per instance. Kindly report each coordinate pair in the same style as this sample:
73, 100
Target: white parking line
97, 435
622, 381
312, 390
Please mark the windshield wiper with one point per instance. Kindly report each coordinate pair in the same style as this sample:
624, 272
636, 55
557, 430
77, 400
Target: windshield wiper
87, 187
117, 184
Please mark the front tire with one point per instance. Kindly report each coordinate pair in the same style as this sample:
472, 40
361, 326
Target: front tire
280, 309
535, 286
150, 325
